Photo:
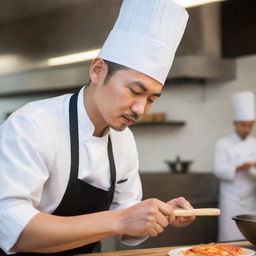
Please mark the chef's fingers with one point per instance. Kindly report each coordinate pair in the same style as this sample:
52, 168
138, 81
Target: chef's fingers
158, 228
180, 202
165, 208
185, 221
153, 233
184, 204
252, 164
162, 220
246, 166
166, 211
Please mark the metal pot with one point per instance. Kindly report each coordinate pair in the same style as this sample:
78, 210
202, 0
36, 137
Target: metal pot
179, 166
247, 226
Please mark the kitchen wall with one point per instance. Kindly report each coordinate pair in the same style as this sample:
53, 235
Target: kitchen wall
208, 115
205, 108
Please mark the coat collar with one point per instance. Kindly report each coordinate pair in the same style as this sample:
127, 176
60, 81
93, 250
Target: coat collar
85, 123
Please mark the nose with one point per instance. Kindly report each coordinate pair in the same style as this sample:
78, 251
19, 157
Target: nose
139, 107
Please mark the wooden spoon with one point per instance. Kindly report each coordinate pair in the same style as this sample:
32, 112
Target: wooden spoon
198, 212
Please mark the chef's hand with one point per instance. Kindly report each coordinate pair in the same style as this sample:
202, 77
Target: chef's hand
245, 167
147, 218
179, 221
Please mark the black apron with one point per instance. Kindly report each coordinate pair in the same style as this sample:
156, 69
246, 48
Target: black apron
81, 197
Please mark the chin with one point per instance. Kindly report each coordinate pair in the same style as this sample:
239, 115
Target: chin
244, 136
118, 128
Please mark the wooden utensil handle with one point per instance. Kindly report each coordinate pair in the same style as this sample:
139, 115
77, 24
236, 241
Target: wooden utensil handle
198, 212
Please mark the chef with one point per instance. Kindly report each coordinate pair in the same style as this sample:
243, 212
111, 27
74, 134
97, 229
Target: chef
69, 165
235, 160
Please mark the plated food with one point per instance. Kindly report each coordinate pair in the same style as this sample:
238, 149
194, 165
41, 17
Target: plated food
212, 249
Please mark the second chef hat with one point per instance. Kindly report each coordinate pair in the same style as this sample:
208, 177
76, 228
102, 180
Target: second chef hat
243, 106
146, 36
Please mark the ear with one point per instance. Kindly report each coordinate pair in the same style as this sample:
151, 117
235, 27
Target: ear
98, 70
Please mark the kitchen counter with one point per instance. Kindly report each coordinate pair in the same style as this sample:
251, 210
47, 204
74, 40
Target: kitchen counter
162, 251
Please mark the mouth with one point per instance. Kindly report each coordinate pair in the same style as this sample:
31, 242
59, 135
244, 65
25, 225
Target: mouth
128, 120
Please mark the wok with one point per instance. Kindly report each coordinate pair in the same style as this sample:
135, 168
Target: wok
247, 226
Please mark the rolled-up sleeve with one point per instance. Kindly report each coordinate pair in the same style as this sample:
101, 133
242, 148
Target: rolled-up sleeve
12, 222
23, 173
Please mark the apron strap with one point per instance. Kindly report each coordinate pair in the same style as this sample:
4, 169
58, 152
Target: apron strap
111, 164
74, 144
74, 139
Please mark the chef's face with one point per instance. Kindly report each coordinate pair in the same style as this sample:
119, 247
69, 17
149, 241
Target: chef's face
243, 128
123, 98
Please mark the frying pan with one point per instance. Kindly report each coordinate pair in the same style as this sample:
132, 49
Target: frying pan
247, 226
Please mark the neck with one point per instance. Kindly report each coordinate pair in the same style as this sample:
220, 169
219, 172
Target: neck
99, 124
242, 137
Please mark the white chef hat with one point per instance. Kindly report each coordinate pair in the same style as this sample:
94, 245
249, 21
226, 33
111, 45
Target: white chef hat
146, 36
243, 106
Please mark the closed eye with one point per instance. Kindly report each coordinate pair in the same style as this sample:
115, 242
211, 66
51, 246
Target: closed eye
139, 93
134, 92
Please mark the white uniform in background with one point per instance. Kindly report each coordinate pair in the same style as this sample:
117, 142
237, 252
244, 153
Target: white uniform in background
237, 189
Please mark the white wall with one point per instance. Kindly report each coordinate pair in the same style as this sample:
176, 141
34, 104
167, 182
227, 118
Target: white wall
208, 114
205, 108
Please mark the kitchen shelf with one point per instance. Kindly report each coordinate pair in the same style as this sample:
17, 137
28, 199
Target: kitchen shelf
160, 123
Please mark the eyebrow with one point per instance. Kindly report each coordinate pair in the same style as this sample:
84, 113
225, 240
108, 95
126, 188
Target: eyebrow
144, 88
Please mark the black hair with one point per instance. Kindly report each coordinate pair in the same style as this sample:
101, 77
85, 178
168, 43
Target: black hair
112, 69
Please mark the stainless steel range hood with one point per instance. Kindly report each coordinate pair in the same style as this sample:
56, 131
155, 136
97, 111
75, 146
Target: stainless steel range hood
203, 68
68, 30
200, 51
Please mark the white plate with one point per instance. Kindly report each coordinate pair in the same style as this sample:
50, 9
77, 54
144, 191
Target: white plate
176, 252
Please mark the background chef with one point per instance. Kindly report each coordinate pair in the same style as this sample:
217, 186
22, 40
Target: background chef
235, 160
65, 161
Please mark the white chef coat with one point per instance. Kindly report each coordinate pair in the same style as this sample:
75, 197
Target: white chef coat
35, 163
237, 189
